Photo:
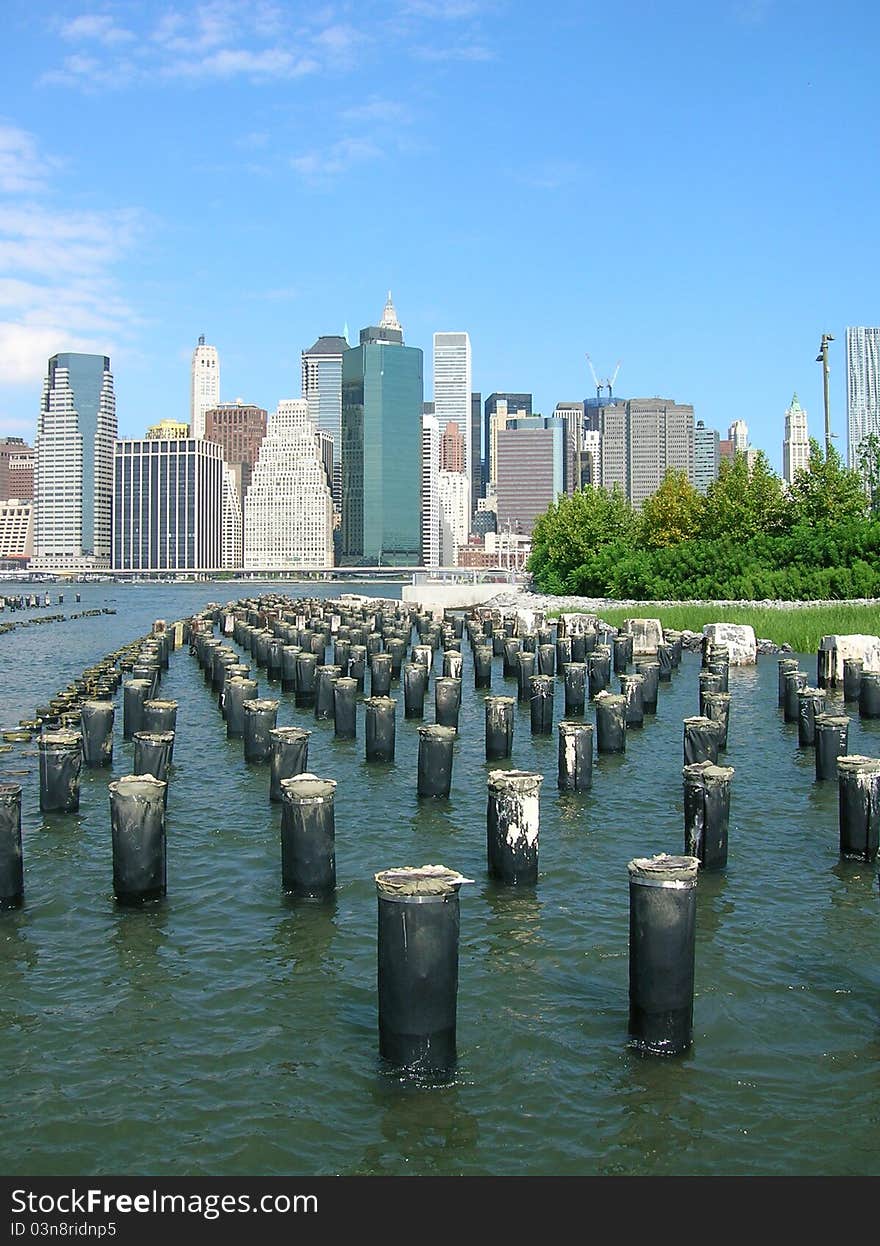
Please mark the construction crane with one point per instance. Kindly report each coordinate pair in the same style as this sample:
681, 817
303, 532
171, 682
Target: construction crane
606, 382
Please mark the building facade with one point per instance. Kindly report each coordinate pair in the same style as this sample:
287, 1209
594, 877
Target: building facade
231, 523
454, 497
496, 411
322, 390
452, 449
530, 472
642, 439
238, 428
862, 388
452, 391
796, 443
16, 469
707, 456
430, 491
204, 389
16, 532
73, 463
171, 430
168, 505
288, 510
382, 396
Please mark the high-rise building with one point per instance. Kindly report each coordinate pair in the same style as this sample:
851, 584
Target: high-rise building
288, 510
454, 497
430, 490
496, 410
204, 386
73, 476
530, 459
478, 459
642, 438
862, 388
452, 389
168, 505
452, 449
796, 445
738, 435
382, 395
16, 532
238, 428
171, 430
231, 527
16, 469
322, 390
707, 456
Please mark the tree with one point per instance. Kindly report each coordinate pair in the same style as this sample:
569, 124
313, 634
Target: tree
672, 513
868, 456
743, 502
826, 493
568, 535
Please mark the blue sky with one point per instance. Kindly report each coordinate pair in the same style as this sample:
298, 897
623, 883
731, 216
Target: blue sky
689, 188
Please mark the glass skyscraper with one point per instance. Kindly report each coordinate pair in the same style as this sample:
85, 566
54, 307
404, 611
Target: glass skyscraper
73, 469
382, 395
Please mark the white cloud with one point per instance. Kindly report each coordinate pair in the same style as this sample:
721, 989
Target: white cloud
326, 163
96, 26
460, 52
21, 167
379, 112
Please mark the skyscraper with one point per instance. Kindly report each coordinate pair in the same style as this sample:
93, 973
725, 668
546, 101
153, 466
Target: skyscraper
530, 471
430, 490
452, 449
288, 510
796, 445
452, 390
322, 390
232, 519
478, 461
16, 469
168, 505
239, 428
642, 439
453, 493
204, 386
382, 392
73, 474
862, 388
495, 414
707, 456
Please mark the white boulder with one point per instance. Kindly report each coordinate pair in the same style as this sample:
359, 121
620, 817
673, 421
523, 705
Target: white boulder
854, 646
647, 634
739, 638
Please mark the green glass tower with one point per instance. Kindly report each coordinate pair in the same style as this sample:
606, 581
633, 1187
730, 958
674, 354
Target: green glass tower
382, 393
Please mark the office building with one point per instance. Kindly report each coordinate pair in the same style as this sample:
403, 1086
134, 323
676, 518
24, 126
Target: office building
862, 388
288, 509
168, 505
382, 396
452, 449
170, 430
322, 390
231, 522
478, 454
430, 491
238, 428
496, 410
530, 465
454, 496
452, 390
642, 438
796, 444
73, 472
204, 386
16, 532
707, 456
16, 469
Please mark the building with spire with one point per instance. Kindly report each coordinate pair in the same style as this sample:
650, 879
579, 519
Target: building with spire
204, 386
382, 397
288, 509
73, 470
796, 444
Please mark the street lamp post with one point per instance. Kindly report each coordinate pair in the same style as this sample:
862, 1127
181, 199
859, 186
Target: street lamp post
822, 358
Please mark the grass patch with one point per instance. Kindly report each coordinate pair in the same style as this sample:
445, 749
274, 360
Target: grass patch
802, 627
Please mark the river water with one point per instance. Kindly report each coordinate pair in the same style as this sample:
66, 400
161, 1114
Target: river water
230, 1030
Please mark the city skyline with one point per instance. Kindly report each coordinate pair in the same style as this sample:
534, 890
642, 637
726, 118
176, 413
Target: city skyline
654, 227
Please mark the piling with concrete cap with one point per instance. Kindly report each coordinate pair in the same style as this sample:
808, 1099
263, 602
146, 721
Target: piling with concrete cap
60, 764
160, 716
137, 821
708, 682
623, 653
512, 650
482, 667
631, 689
134, 693
702, 737
546, 659
717, 707
541, 688
599, 672
869, 695
11, 859
289, 656
308, 836
96, 724
380, 674
379, 728
512, 825
832, 737
662, 943
288, 757
435, 760
357, 665
235, 692
152, 755
611, 722
453, 662
306, 677
418, 937
563, 652
826, 671
575, 770
784, 666
578, 647
345, 709
811, 701
325, 682
415, 685
794, 682
852, 678
666, 663
650, 669
447, 701
858, 781
525, 670
259, 720
500, 718
707, 812
574, 681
